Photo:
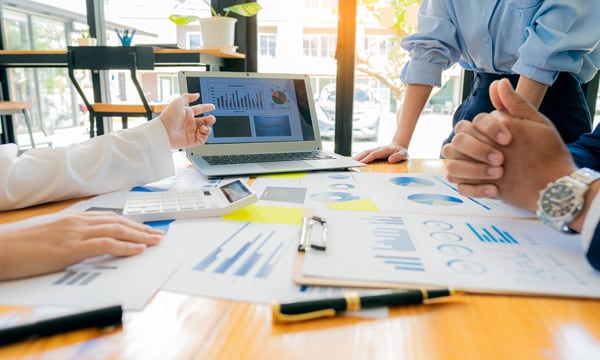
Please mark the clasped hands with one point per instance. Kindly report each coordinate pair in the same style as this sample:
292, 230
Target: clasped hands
509, 154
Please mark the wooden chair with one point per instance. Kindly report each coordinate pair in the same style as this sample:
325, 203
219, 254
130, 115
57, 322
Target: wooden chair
96, 58
18, 107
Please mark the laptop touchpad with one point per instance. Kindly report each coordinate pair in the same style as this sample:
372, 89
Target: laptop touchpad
288, 165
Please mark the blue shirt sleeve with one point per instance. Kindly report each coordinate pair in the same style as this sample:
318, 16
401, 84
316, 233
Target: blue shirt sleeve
535, 38
433, 48
563, 37
586, 150
593, 252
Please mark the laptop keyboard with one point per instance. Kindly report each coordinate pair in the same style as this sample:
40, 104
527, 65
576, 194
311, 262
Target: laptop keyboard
268, 157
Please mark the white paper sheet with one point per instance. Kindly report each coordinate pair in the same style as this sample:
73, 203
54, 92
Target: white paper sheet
250, 262
105, 280
415, 192
471, 253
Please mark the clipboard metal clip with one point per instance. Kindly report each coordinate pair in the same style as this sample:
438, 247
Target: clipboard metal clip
306, 231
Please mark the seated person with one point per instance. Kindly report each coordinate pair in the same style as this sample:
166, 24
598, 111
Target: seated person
516, 154
106, 163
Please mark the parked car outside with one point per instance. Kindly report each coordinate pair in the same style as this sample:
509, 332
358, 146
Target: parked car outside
366, 113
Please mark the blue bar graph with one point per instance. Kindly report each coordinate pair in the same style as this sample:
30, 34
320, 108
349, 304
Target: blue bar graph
253, 258
392, 245
398, 240
268, 266
248, 252
493, 235
236, 98
213, 255
227, 262
385, 220
403, 262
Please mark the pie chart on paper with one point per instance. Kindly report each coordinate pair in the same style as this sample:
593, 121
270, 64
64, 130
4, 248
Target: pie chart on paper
435, 199
411, 181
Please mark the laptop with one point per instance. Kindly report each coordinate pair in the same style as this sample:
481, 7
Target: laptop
266, 123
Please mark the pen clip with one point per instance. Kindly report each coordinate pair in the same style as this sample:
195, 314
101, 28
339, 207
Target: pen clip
278, 316
306, 233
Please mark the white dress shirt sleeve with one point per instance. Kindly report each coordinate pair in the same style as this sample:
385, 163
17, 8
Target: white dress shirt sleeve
110, 162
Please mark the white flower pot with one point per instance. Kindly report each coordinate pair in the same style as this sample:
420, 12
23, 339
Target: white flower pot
86, 42
217, 31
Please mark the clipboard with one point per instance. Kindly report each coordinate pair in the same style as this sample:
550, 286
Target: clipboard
299, 278
305, 243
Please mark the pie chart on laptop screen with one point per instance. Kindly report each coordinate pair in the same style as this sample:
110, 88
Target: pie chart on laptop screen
435, 199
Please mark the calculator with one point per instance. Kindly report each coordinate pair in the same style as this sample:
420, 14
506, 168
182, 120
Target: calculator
190, 203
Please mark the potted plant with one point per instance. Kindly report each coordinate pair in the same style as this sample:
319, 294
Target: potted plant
219, 29
86, 40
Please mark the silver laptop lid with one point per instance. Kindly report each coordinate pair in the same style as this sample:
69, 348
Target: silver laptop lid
255, 112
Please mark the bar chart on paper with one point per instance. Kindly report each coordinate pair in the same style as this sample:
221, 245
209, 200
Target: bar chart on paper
492, 234
244, 261
378, 242
392, 246
240, 255
477, 253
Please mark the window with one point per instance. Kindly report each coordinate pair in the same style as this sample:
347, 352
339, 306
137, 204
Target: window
267, 44
320, 4
319, 45
47, 89
379, 45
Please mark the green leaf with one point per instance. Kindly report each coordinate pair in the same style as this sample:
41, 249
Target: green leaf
247, 9
183, 20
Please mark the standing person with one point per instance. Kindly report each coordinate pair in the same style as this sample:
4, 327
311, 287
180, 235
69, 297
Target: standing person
105, 163
546, 48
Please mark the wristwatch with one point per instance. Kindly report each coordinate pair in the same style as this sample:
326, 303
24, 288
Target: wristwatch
561, 200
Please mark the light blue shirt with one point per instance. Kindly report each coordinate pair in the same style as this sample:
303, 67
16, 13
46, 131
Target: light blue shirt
535, 38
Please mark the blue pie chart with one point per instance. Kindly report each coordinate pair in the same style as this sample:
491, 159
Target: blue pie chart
342, 186
435, 199
333, 197
411, 181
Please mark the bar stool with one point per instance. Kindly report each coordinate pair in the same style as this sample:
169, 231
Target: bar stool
15, 108
102, 58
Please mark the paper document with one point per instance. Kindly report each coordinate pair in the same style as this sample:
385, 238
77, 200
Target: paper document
416, 193
244, 261
481, 254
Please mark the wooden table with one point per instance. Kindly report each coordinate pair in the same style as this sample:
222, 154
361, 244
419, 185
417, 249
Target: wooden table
177, 326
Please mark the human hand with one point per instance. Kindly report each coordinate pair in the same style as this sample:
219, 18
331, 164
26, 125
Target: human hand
53, 246
517, 137
394, 154
183, 129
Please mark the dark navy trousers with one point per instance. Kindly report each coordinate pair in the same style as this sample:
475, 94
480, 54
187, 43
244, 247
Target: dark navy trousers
564, 104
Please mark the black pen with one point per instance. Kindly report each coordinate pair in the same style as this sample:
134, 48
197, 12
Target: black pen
100, 318
312, 309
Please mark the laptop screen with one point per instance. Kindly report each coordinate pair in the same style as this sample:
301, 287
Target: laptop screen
255, 108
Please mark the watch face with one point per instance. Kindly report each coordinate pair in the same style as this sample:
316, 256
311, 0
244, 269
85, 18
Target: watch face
559, 200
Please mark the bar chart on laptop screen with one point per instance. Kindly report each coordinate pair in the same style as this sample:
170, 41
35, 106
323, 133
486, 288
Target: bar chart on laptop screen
236, 98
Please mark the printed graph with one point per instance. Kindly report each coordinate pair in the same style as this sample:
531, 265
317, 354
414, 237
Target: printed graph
492, 234
392, 246
244, 253
411, 181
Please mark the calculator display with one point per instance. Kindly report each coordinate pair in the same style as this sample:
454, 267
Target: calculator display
235, 191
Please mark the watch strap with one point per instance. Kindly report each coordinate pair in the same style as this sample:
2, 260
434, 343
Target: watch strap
586, 175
